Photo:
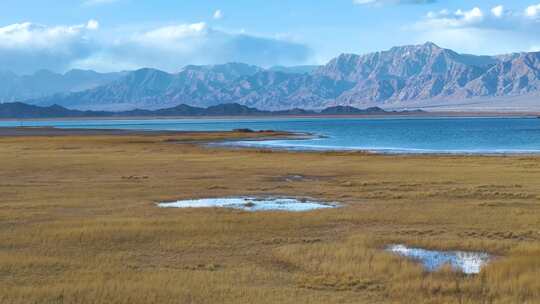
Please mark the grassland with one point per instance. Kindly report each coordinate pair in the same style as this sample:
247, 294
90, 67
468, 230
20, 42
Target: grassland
78, 224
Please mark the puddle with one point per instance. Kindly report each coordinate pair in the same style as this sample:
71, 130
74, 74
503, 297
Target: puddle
466, 262
252, 204
295, 178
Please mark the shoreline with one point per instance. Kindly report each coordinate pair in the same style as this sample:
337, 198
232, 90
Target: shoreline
55, 132
232, 141
230, 144
434, 115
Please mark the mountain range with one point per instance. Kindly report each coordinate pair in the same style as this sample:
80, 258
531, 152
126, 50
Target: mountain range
417, 76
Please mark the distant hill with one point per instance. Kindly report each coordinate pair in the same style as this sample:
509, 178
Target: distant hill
348, 110
18, 110
22, 110
415, 76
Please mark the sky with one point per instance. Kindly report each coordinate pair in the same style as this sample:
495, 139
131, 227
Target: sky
114, 35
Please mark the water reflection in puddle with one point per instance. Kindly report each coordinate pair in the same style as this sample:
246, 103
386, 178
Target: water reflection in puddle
252, 204
467, 262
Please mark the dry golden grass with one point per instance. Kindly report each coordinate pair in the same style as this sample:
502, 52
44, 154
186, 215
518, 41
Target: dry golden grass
78, 224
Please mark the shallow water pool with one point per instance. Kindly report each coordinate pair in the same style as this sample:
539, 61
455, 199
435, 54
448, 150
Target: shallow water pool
466, 262
252, 204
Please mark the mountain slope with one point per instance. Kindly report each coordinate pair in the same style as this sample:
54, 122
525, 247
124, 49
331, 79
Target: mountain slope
154, 89
406, 73
516, 76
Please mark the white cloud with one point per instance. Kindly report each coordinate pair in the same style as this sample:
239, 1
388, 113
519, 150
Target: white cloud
459, 18
22, 35
25, 47
533, 11
497, 11
475, 31
173, 46
218, 14
497, 18
173, 35
92, 24
474, 15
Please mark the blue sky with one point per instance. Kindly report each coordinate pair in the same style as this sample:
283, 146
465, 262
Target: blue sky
110, 35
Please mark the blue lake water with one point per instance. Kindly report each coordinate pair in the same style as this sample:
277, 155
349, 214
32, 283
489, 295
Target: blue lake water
387, 135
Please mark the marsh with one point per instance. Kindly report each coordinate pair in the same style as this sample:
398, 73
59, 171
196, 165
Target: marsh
79, 223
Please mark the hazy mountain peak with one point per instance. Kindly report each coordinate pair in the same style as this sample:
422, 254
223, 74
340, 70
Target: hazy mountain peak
425, 47
43, 72
79, 72
299, 69
7, 74
147, 70
432, 45
45, 83
223, 66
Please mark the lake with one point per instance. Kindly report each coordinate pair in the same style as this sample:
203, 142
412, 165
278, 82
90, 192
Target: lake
499, 135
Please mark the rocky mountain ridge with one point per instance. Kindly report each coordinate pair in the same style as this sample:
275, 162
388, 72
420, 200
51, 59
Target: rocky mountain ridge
396, 77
